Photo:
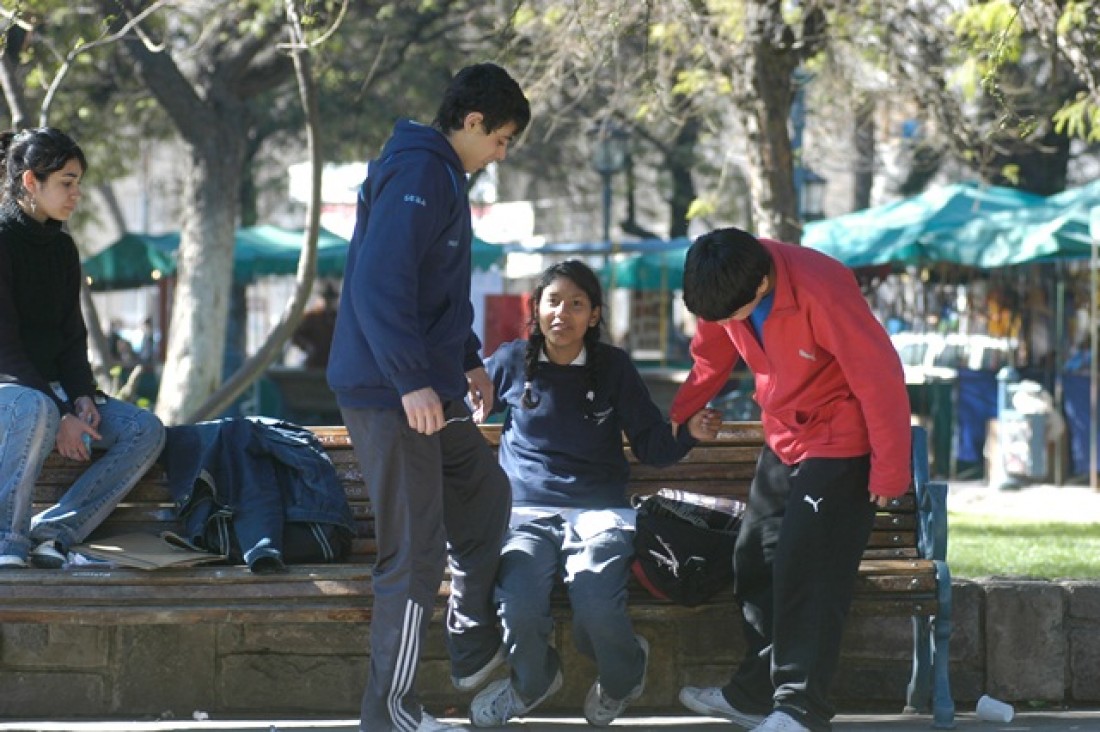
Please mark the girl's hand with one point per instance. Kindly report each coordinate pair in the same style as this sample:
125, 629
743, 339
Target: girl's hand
87, 411
480, 390
70, 440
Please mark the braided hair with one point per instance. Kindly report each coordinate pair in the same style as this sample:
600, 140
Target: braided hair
583, 277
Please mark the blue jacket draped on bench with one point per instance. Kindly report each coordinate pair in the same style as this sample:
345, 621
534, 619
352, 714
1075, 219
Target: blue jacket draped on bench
257, 489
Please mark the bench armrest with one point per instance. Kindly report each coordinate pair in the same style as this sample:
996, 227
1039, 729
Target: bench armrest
932, 521
931, 501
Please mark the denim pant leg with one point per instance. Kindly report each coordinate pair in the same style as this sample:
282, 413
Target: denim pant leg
529, 566
28, 430
133, 438
596, 573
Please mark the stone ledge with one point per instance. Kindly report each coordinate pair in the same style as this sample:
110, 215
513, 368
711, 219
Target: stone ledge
1018, 640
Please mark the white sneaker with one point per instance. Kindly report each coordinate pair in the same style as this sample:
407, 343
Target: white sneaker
601, 710
780, 722
428, 723
498, 702
710, 702
11, 561
479, 677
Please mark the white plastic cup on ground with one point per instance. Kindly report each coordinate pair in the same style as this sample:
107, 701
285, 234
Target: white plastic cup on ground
994, 710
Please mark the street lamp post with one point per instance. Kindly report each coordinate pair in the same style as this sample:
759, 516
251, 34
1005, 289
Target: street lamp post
609, 152
811, 195
809, 187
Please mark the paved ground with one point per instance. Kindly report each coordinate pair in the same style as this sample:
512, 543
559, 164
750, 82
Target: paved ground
1041, 502
1064, 721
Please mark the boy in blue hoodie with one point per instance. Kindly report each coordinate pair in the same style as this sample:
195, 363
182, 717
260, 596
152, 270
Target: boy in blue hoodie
404, 356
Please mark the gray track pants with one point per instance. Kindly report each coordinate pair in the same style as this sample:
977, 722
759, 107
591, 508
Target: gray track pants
431, 496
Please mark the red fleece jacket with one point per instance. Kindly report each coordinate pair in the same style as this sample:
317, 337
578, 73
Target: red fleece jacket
828, 381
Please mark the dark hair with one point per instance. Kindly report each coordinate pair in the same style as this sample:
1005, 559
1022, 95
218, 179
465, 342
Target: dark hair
43, 151
722, 272
485, 88
581, 275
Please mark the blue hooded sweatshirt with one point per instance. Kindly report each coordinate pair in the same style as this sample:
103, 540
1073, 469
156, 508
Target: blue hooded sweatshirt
405, 320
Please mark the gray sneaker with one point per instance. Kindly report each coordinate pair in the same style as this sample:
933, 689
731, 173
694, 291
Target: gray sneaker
709, 701
428, 723
780, 722
498, 702
600, 709
11, 561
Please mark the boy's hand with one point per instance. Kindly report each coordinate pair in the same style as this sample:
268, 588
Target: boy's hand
423, 410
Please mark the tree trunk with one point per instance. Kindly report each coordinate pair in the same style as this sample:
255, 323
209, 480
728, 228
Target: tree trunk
764, 109
255, 365
680, 162
208, 108
196, 343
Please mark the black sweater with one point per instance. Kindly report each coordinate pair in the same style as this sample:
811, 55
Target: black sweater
42, 332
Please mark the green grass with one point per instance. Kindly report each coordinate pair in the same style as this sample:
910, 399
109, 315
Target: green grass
984, 546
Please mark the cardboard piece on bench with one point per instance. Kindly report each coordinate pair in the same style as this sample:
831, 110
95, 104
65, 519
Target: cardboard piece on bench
147, 551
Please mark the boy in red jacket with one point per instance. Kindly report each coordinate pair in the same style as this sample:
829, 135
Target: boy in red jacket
836, 425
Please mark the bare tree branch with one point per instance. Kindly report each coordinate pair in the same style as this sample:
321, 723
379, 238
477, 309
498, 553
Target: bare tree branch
106, 38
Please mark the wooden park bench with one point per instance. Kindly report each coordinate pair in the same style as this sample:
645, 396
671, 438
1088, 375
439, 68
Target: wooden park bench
903, 572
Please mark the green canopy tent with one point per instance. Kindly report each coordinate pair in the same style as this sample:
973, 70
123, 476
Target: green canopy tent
136, 260
651, 271
1055, 228
262, 251
486, 255
900, 232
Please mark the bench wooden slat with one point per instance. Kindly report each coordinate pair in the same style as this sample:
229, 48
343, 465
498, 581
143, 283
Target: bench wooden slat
891, 569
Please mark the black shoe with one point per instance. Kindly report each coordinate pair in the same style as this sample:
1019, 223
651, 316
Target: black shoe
48, 555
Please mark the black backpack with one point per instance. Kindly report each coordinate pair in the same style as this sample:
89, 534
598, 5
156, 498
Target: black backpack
683, 544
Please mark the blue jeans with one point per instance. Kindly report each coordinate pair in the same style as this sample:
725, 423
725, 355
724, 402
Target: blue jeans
595, 572
131, 437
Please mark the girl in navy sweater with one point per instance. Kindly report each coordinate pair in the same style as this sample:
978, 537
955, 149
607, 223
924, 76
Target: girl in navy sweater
570, 399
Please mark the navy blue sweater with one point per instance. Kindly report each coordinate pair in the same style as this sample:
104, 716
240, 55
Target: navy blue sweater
567, 451
405, 319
